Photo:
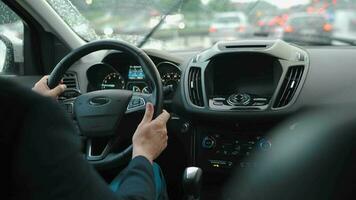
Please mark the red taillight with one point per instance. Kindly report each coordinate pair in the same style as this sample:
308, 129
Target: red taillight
327, 27
212, 29
271, 23
241, 29
288, 29
261, 23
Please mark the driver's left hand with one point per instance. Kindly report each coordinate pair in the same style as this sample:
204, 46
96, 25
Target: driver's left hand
42, 88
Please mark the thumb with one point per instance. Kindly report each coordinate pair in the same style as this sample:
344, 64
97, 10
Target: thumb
148, 114
55, 92
163, 117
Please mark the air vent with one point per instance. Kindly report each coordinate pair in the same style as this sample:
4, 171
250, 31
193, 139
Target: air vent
245, 46
70, 80
289, 86
195, 86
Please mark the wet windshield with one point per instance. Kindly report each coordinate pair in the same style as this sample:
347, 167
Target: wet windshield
197, 24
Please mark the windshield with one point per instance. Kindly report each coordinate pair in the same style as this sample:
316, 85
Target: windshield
197, 24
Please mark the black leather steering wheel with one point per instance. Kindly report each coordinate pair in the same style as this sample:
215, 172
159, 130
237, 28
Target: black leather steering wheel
98, 113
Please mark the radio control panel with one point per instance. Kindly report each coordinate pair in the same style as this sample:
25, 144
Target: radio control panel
239, 101
217, 150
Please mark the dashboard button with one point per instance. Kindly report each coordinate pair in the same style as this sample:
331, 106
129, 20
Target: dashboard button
259, 104
208, 143
240, 99
218, 103
264, 145
221, 99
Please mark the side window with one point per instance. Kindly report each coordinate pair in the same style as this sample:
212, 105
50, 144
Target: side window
11, 41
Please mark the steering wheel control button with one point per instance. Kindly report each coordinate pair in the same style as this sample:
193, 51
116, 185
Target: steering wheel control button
208, 143
240, 99
136, 102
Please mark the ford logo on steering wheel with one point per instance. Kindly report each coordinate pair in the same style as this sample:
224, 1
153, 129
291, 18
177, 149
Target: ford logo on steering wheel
99, 101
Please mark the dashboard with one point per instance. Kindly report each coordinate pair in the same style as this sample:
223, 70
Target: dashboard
227, 97
119, 71
224, 100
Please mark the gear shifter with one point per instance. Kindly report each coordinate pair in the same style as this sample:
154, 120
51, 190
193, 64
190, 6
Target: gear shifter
192, 182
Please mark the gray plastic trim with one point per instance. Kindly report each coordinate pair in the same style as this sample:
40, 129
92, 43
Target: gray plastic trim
287, 54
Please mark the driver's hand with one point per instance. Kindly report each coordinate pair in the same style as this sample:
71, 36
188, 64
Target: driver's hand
42, 88
150, 138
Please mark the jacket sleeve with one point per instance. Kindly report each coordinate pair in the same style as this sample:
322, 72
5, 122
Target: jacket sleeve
138, 180
48, 163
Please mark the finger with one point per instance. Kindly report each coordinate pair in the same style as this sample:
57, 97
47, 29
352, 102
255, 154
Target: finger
163, 117
165, 144
55, 92
44, 78
164, 131
148, 113
164, 135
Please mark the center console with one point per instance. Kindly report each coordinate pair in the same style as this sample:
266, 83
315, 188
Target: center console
223, 150
229, 85
240, 81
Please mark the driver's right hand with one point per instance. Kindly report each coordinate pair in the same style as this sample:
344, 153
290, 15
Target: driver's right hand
150, 138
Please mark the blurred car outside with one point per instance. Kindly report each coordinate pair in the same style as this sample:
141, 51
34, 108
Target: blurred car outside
271, 26
308, 28
229, 26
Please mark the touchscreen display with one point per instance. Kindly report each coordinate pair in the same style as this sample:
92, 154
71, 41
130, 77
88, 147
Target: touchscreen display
244, 74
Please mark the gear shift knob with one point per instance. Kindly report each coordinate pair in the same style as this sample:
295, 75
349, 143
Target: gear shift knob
192, 182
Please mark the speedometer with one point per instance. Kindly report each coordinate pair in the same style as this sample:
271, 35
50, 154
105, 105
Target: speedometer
172, 78
170, 73
113, 81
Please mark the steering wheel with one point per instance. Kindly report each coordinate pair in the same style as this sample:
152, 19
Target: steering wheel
98, 113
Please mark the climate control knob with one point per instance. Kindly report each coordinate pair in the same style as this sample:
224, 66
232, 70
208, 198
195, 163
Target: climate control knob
208, 142
264, 144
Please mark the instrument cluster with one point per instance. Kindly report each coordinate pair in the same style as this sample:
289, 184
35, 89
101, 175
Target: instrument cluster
130, 76
103, 76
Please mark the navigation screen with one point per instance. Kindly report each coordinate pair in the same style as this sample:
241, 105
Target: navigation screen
136, 73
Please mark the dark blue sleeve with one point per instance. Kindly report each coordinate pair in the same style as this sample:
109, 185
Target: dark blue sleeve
138, 179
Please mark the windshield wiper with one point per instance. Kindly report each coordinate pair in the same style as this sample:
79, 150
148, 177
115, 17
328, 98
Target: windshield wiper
161, 21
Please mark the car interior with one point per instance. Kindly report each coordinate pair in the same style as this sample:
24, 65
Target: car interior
257, 117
